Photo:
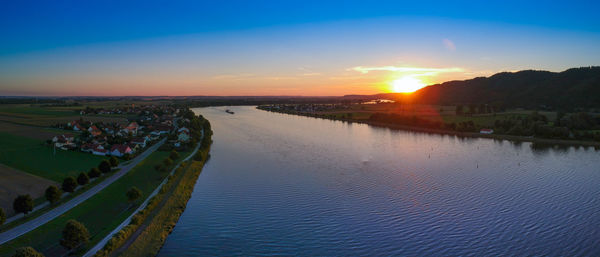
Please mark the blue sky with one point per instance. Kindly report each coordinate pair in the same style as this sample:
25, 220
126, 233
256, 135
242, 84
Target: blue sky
280, 47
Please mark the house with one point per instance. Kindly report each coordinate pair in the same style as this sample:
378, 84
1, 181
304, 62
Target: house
486, 131
87, 148
141, 141
63, 137
132, 127
78, 127
183, 136
120, 150
95, 131
99, 150
160, 129
64, 141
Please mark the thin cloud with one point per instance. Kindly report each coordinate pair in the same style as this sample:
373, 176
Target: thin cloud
364, 70
449, 44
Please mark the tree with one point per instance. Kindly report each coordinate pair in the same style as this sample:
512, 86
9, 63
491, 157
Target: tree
69, 184
53, 194
157, 167
83, 179
168, 161
23, 204
74, 235
114, 162
27, 252
2, 216
104, 166
94, 173
133, 194
174, 155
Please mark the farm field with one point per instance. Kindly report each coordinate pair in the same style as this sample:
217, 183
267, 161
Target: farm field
49, 116
111, 201
15, 182
31, 131
33, 156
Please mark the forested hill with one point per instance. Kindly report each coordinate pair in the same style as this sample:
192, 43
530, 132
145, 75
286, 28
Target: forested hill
573, 88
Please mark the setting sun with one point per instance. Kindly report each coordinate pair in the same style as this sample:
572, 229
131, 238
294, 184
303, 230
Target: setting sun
407, 85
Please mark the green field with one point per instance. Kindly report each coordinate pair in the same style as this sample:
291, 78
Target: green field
33, 156
28, 110
100, 214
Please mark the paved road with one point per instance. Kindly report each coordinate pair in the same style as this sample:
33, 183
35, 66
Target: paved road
126, 222
50, 215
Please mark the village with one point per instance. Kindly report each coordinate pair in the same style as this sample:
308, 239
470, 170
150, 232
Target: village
124, 140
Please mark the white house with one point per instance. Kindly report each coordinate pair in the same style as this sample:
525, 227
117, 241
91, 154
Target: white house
99, 150
120, 150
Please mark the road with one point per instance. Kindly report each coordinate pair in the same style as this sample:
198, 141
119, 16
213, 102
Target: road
50, 215
126, 222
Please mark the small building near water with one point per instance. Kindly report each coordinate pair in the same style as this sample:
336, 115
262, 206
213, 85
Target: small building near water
486, 131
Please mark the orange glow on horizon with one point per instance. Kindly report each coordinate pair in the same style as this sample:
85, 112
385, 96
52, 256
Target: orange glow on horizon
407, 84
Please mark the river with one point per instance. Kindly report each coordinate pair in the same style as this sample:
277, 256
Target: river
279, 184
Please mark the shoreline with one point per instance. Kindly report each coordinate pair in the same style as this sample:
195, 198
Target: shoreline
548, 141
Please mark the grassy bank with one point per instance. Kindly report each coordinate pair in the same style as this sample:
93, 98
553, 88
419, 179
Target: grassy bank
151, 239
100, 214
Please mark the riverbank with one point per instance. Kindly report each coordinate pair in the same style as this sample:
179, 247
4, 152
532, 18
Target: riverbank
148, 228
543, 141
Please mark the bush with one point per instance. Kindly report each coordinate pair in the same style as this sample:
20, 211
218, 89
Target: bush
168, 161
94, 173
114, 162
174, 155
69, 184
83, 179
23, 204
133, 194
104, 166
53, 194
74, 235
2, 216
27, 252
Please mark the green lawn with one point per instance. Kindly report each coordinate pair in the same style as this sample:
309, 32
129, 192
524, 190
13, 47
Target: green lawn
31, 155
100, 214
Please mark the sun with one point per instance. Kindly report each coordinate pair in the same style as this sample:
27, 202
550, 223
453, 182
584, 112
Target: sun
407, 85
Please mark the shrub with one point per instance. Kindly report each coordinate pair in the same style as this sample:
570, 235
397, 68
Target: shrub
27, 252
69, 184
94, 173
53, 194
114, 162
168, 161
23, 204
104, 166
2, 216
133, 194
74, 235
83, 179
174, 155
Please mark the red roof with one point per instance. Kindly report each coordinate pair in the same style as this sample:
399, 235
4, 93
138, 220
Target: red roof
120, 148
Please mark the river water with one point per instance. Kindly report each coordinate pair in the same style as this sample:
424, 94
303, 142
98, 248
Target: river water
280, 184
